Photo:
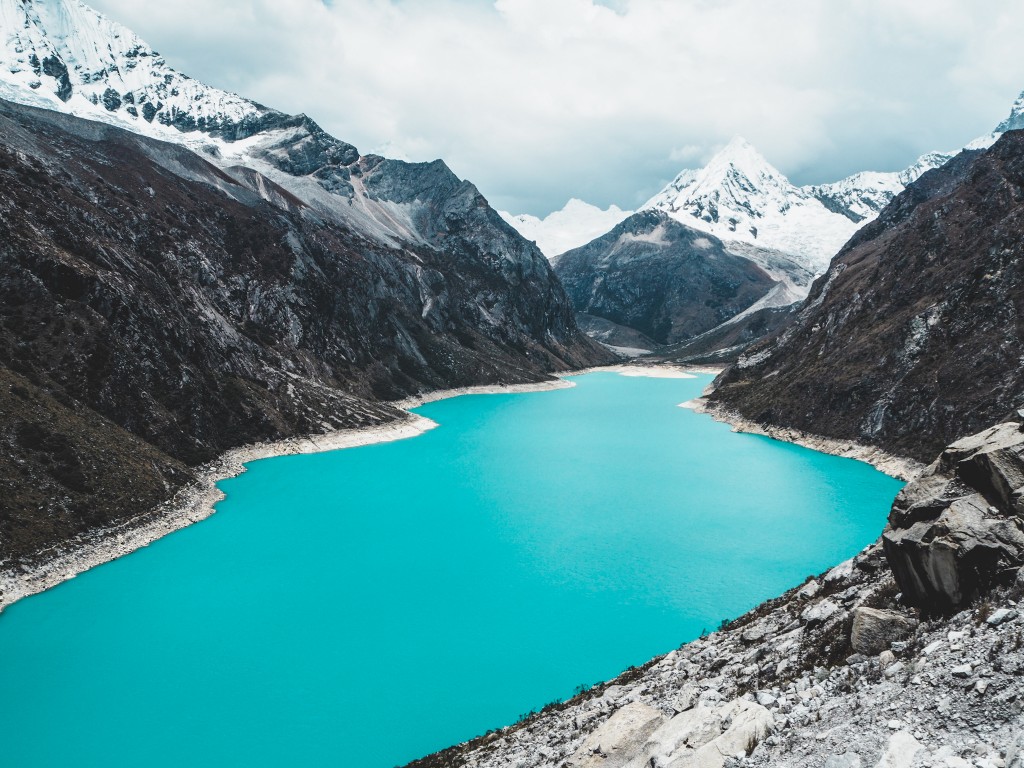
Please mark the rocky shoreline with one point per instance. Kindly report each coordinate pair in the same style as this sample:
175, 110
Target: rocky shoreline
833, 674
896, 466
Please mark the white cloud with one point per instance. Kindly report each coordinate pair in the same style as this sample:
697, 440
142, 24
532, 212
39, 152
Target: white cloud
538, 101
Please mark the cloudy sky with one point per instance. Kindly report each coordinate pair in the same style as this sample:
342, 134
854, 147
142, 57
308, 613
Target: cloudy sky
537, 101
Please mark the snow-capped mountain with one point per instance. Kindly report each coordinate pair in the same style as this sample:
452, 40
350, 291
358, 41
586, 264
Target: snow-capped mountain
862, 196
739, 195
574, 225
63, 55
741, 198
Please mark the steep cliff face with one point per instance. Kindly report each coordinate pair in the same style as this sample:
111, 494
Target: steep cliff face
663, 279
156, 309
912, 338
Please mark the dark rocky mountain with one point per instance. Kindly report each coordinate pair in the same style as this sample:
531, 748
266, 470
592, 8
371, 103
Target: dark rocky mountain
156, 309
725, 343
661, 278
912, 339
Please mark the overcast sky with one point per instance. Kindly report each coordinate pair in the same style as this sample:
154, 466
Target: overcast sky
537, 101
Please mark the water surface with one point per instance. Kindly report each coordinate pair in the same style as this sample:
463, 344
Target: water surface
364, 607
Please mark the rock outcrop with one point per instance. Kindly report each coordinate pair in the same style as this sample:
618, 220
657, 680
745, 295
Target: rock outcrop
959, 528
875, 630
911, 340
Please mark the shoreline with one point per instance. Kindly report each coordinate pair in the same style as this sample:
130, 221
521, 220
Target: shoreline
196, 501
900, 467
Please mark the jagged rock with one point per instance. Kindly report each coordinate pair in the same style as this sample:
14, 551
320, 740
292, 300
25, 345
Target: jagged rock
704, 736
841, 572
1001, 616
956, 529
820, 612
619, 738
875, 629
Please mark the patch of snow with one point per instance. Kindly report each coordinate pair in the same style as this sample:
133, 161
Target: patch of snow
574, 225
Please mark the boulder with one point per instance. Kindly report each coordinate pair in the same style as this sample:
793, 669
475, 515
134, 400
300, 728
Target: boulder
900, 751
619, 738
874, 629
820, 612
959, 528
705, 736
1001, 616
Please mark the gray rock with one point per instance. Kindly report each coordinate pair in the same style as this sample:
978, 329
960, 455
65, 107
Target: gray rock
958, 527
874, 629
753, 635
1001, 616
809, 590
820, 612
619, 738
900, 751
1015, 752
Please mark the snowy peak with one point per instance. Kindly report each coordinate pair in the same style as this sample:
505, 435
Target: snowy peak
1015, 121
862, 196
574, 225
737, 187
740, 196
74, 59
741, 170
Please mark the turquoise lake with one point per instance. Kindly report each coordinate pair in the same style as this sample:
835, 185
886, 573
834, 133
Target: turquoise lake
368, 606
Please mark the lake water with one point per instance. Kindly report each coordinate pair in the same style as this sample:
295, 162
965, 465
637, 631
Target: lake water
368, 606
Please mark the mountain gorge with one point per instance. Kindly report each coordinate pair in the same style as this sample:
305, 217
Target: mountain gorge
757, 214
253, 280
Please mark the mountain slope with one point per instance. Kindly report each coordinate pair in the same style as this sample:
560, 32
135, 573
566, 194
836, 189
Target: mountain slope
912, 338
156, 310
63, 55
667, 281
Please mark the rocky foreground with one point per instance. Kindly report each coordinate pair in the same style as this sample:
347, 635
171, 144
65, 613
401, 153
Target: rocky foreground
921, 665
